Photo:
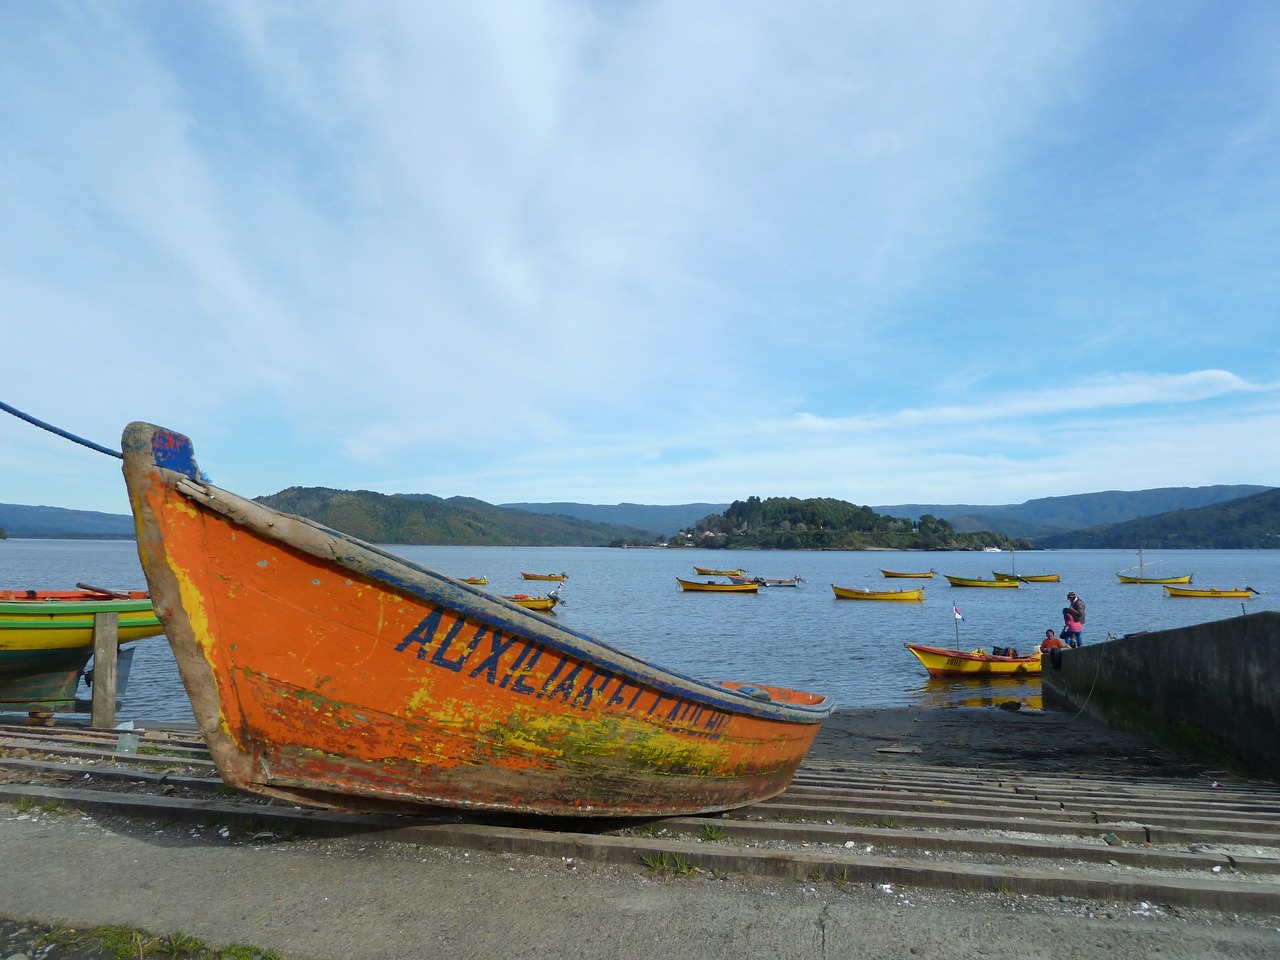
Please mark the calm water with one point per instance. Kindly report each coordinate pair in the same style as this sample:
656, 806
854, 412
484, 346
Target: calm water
850, 650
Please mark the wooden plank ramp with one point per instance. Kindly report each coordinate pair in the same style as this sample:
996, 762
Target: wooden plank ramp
1182, 842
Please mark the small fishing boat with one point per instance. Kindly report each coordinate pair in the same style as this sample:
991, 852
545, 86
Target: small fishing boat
979, 582
941, 662
771, 581
560, 577
477, 581
542, 604
913, 576
1234, 593
46, 639
326, 671
711, 586
1142, 577
854, 593
709, 572
1028, 577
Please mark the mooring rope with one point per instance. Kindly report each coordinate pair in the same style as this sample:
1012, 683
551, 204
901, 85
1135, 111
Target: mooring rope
60, 432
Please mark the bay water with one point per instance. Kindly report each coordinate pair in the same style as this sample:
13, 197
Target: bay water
850, 650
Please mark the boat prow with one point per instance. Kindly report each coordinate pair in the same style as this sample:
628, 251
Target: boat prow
326, 671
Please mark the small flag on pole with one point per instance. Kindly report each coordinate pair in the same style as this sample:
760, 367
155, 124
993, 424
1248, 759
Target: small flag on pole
956, 611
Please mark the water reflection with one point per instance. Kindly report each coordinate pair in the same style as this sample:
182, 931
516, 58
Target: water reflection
980, 692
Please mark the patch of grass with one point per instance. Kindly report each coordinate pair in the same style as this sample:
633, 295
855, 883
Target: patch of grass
27, 804
126, 943
53, 806
711, 831
788, 818
674, 865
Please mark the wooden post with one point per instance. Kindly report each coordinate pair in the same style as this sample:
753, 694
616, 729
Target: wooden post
106, 638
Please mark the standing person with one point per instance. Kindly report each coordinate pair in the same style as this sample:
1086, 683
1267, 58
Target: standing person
1078, 606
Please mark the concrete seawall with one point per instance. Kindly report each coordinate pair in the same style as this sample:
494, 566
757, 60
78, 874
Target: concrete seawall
1213, 689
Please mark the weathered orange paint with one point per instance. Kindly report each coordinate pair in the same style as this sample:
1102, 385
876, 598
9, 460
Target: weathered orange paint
326, 671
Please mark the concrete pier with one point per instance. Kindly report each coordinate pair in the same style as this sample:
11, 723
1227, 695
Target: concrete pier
1211, 689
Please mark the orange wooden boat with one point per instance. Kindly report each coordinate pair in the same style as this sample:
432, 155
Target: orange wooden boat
326, 671
544, 576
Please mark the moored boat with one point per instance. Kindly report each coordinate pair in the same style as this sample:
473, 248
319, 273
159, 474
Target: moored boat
542, 604
1028, 577
771, 581
855, 593
323, 670
941, 662
1234, 593
979, 582
927, 575
560, 577
46, 640
710, 586
478, 581
1142, 577
711, 572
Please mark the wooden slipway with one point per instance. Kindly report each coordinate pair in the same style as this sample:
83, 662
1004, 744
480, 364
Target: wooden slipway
1179, 841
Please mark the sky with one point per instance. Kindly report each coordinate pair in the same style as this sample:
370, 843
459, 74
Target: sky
651, 252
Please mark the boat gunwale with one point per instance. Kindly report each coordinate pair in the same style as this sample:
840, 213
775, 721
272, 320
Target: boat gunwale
399, 574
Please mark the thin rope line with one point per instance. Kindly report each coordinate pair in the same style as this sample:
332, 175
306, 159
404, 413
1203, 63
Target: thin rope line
60, 432
1096, 670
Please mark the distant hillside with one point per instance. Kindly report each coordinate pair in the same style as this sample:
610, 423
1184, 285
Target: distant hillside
664, 520
1248, 523
23, 522
1036, 518
458, 521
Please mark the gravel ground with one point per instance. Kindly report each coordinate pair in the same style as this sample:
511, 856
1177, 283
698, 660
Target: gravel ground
360, 896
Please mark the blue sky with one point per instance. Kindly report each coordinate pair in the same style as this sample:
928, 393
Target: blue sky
658, 252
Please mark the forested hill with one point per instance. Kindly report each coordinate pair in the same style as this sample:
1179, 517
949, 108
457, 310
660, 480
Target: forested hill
1248, 523
1049, 515
457, 521
786, 523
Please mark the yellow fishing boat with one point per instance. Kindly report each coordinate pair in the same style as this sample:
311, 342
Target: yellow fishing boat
1233, 593
559, 577
542, 604
709, 572
695, 586
854, 593
941, 662
1028, 577
1143, 578
979, 582
477, 581
928, 575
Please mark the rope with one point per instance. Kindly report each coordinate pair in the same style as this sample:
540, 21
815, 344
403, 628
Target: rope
60, 432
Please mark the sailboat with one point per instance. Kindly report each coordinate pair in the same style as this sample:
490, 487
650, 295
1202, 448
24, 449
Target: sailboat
1143, 578
1026, 577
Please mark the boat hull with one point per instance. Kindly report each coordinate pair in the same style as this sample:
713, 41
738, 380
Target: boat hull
940, 662
853, 593
709, 572
54, 624
697, 586
972, 582
913, 576
558, 577
1125, 578
1028, 578
323, 670
1211, 592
